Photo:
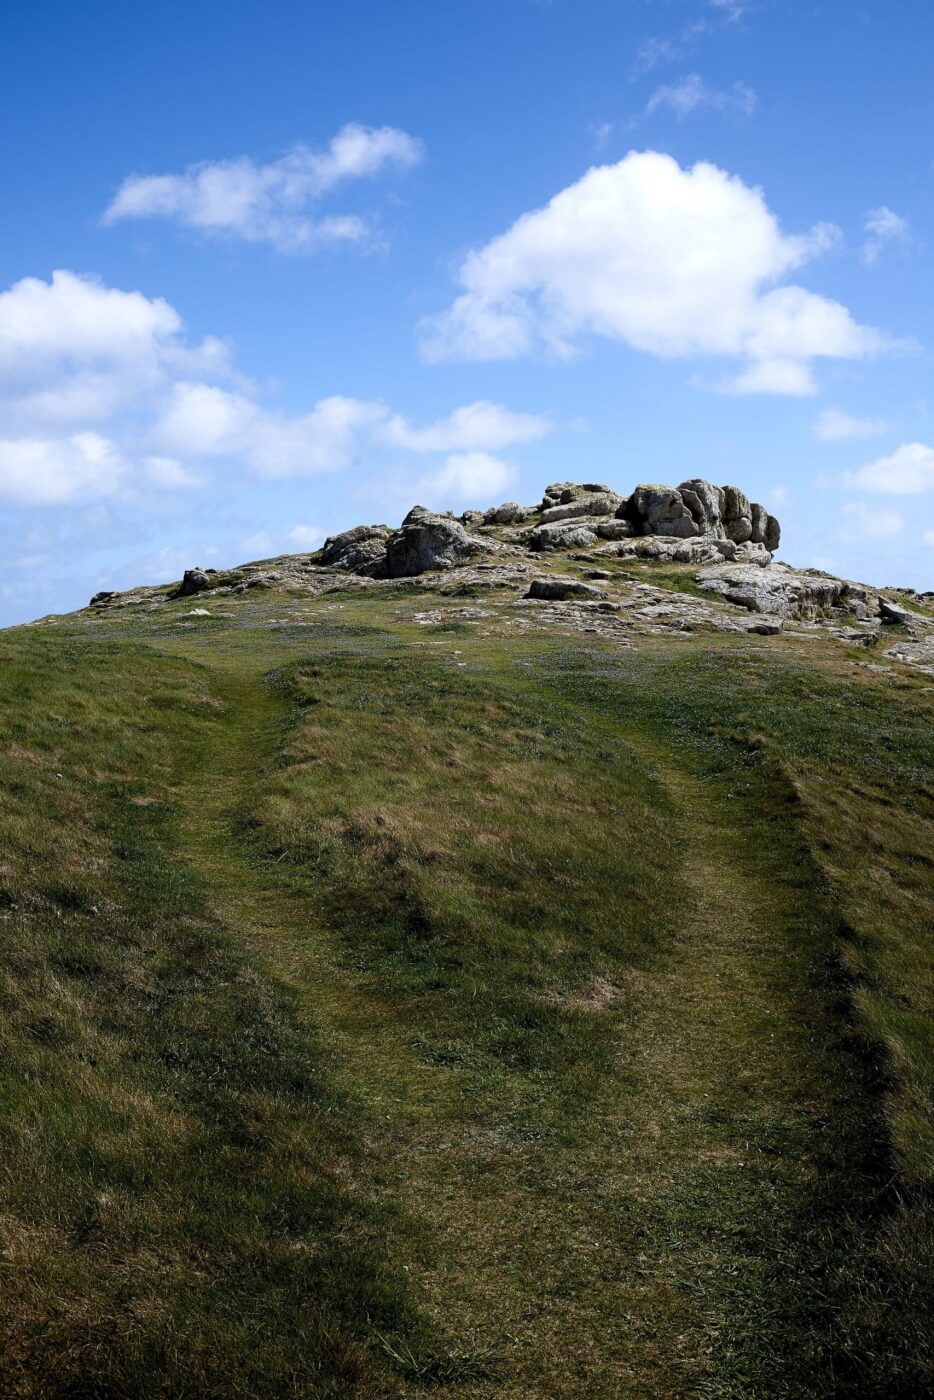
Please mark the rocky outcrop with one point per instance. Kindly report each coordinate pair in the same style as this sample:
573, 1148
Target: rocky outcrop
426, 541
697, 508
781, 591
359, 551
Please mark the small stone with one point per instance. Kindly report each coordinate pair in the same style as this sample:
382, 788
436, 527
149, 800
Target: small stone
560, 589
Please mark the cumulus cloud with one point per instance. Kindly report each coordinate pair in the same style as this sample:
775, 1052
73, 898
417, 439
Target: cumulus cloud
906, 472
690, 93
674, 262
884, 228
480, 425
271, 203
49, 471
471, 478
73, 350
834, 425
102, 395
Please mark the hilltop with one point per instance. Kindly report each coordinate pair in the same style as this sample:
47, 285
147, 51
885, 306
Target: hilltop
487, 956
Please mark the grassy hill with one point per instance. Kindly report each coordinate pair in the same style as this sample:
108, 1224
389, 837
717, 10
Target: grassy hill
407, 995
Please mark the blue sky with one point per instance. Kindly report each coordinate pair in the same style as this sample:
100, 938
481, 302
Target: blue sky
268, 271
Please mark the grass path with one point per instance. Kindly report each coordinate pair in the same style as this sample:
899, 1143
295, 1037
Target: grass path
659, 1253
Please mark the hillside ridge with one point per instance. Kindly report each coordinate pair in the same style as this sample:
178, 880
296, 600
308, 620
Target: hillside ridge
510, 978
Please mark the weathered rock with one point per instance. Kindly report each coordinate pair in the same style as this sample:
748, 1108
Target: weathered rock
427, 541
893, 614
558, 589
563, 492
587, 504
701, 549
100, 598
659, 510
737, 515
361, 550
571, 534
706, 504
613, 529
697, 508
779, 590
857, 637
193, 581
507, 514
914, 651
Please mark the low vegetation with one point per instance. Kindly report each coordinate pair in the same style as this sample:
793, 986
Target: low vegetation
395, 1010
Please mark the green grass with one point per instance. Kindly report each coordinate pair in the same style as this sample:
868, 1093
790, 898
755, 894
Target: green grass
392, 1012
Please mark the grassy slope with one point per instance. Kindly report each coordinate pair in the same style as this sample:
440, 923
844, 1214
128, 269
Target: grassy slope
389, 1009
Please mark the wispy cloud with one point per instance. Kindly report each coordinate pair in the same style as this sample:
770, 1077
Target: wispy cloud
272, 203
834, 425
731, 10
871, 523
884, 228
691, 93
658, 49
907, 471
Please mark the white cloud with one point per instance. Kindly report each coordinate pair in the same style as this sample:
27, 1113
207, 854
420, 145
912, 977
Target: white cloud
928, 538
690, 93
101, 395
167, 472
74, 352
475, 426
884, 227
674, 262
906, 472
305, 536
873, 524
207, 421
44, 471
791, 377
470, 478
834, 425
270, 203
